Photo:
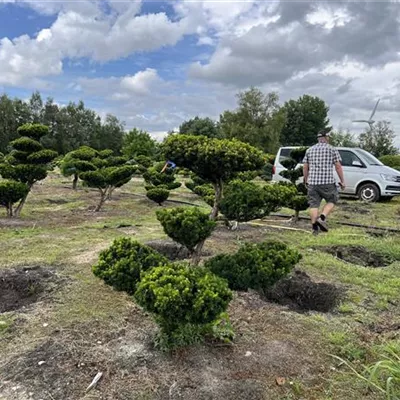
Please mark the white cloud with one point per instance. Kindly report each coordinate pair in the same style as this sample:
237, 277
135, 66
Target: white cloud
82, 29
142, 82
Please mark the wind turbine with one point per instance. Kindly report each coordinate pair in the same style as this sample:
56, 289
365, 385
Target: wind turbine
370, 121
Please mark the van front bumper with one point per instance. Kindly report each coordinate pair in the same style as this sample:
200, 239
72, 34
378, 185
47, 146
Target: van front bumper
391, 190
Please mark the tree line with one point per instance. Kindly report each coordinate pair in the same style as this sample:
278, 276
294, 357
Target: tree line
70, 127
259, 120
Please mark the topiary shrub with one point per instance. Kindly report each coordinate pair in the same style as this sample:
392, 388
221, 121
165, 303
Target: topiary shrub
78, 161
10, 193
29, 161
255, 266
121, 265
158, 195
182, 299
244, 201
187, 226
279, 195
299, 202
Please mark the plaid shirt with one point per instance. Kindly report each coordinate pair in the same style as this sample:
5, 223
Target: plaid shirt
321, 158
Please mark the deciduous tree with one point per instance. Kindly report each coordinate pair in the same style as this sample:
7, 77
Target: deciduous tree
305, 117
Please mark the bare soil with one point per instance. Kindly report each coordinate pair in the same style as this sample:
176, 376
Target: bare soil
24, 286
300, 293
64, 364
359, 255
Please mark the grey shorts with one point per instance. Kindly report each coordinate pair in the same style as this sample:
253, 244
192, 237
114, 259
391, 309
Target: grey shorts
317, 193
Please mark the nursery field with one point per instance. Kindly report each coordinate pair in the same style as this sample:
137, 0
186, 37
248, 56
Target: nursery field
60, 325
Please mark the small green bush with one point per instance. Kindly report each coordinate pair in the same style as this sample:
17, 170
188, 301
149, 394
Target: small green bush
121, 265
255, 266
179, 296
187, 226
391, 161
158, 195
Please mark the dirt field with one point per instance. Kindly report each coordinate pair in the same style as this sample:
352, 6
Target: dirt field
60, 326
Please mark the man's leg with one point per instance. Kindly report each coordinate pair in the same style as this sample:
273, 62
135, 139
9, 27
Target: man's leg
327, 210
314, 201
330, 195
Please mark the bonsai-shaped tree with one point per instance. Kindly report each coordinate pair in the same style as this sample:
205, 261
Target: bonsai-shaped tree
157, 194
188, 226
159, 181
111, 173
29, 161
293, 174
78, 161
217, 161
10, 193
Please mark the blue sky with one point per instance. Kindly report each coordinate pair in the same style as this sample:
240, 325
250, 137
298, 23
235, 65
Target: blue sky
155, 64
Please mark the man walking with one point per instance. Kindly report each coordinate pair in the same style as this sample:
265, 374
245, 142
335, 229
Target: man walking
318, 176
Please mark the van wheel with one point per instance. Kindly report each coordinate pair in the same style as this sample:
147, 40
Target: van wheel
368, 192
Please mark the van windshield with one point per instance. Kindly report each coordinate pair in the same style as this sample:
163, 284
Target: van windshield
369, 158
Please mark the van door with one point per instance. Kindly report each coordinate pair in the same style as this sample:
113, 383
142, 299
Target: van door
353, 168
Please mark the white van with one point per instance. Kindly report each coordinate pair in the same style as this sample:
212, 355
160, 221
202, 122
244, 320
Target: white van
365, 176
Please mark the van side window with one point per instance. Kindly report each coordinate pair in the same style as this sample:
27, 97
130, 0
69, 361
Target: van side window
348, 157
284, 155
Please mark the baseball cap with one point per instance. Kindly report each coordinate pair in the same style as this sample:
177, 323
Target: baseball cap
324, 133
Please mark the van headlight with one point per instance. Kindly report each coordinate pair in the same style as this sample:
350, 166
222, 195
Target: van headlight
390, 178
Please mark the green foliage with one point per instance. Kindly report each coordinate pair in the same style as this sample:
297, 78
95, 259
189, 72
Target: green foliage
305, 117
279, 195
213, 160
206, 191
343, 139
244, 201
382, 376
158, 195
121, 265
11, 192
84, 153
26, 144
154, 177
247, 175
33, 131
298, 203
144, 161
258, 120
109, 172
391, 161
28, 161
42, 157
379, 140
180, 295
200, 127
255, 266
187, 226
139, 143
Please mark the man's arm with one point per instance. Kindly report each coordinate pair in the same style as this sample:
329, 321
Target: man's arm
337, 160
339, 170
305, 173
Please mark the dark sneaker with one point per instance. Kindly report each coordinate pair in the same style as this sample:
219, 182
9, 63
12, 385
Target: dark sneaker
315, 232
322, 224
